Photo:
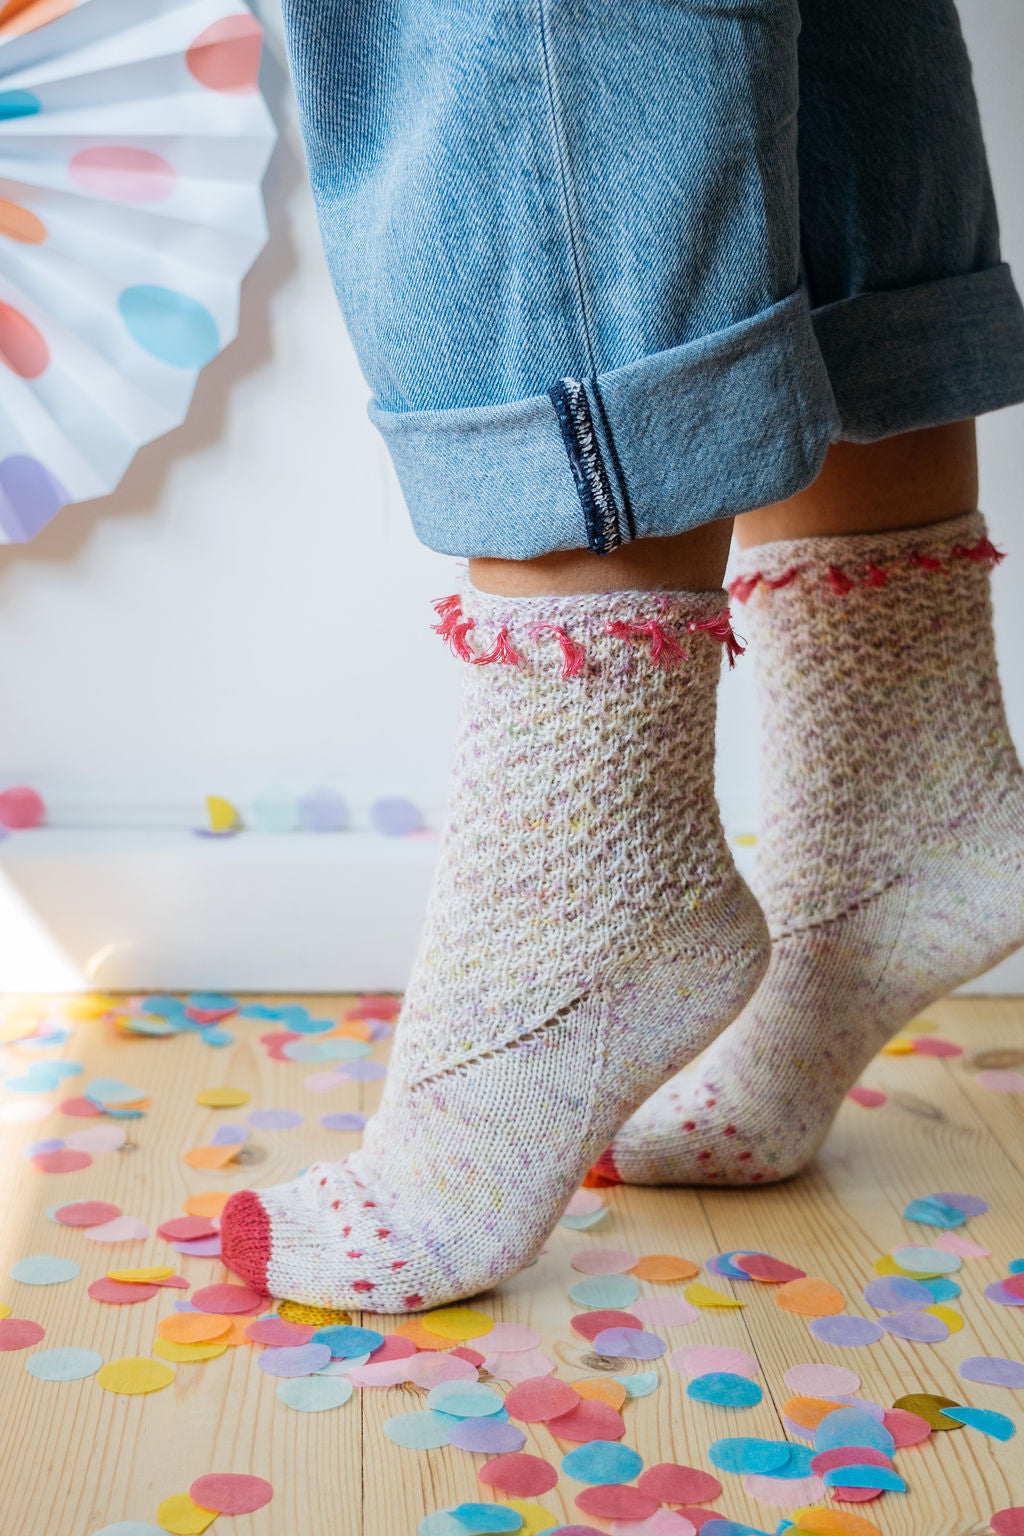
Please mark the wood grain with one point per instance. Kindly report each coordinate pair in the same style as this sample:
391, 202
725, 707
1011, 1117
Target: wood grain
75, 1458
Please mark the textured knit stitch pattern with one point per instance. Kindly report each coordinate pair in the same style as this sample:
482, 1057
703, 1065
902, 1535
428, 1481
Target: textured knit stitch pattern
891, 859
587, 934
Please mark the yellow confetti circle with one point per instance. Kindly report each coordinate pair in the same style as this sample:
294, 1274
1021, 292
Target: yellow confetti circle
223, 1098
535, 1517
181, 1517
300, 1312
953, 1321
170, 1349
141, 1276
133, 1375
900, 1045
457, 1323
5, 1310
701, 1295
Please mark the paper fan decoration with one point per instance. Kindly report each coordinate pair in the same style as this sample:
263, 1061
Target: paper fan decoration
132, 145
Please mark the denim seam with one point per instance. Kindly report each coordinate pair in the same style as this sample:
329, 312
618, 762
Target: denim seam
594, 484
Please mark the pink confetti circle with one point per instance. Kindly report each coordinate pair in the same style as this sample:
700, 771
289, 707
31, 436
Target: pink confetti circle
19, 1333
603, 1261
815, 1380
934, 1045
121, 1293
518, 1474
230, 1299
123, 1229
702, 1359
231, 1493
1001, 1081
22, 807
122, 174
64, 1161
870, 1098
226, 56
86, 1213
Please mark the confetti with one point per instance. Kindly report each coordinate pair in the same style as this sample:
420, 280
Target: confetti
223, 1098
852, 1426
1001, 1081
782, 1492
44, 1269
86, 1213
182, 1354
590, 1420
605, 1291
833, 1522
153, 1274
766, 1268
64, 1161
671, 1483
745, 1454
615, 1501
701, 1295
922, 1327
870, 1098
927, 1261
457, 1323
117, 1294
810, 1297
185, 1229
1008, 1522
994, 1370
603, 1261
987, 1420
486, 1519
192, 1327
345, 1342
343, 1121
700, 1359
601, 1389
928, 1406
894, 1293
509, 1338
231, 1493
906, 1428
629, 1344
521, 1475
846, 1331
539, 1399
590, 1324
640, 1385
19, 1333
466, 1400
123, 1229
179, 1515
665, 1311
725, 1389
663, 1268
603, 1461
298, 1360
210, 1203
278, 1333
421, 1430
228, 1298
211, 1157
134, 1375
492, 1436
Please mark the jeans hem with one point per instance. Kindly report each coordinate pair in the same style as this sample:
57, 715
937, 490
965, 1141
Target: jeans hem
909, 358
675, 440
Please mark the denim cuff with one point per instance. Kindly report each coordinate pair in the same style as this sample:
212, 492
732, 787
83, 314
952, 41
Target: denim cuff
728, 422
924, 356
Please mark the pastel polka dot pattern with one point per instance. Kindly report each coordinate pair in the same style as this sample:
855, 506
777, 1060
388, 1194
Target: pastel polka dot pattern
21, 224
169, 325
22, 346
123, 174
226, 56
125, 207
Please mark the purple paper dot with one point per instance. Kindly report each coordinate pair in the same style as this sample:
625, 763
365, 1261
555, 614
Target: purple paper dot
274, 1119
343, 1122
971, 1205
365, 1071
629, 1344
1003, 1298
323, 810
994, 1370
379, 1030
395, 817
300, 1360
897, 1293
921, 1327
845, 1330
494, 1436
229, 1135
29, 496
49, 1144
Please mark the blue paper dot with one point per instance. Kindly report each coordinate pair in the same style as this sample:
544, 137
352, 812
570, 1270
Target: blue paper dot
67, 1364
131, 1528
942, 1288
987, 1420
746, 1454
420, 1430
18, 104
852, 1426
605, 1291
725, 1389
169, 325
346, 1341
487, 1519
602, 1461
464, 1399
313, 1394
44, 1269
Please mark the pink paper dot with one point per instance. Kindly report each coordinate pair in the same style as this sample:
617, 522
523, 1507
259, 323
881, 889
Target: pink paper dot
1001, 1081
231, 1493
24, 351
870, 1098
19, 1333
122, 174
64, 1161
226, 56
603, 1261
933, 1045
22, 807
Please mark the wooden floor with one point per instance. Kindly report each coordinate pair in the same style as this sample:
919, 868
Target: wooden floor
75, 1458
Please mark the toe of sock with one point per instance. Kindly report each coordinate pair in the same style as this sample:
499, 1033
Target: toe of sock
245, 1238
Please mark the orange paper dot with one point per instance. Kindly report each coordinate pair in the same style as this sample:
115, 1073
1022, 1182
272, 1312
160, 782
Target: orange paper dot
20, 16
210, 1203
192, 1327
808, 1412
211, 1157
22, 347
810, 1297
602, 1389
663, 1267
411, 1328
21, 224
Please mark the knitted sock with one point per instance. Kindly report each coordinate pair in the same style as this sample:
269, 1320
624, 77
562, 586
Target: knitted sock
891, 863
587, 934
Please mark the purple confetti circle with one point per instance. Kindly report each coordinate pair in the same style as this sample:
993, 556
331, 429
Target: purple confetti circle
274, 1119
897, 1293
629, 1344
971, 1205
493, 1436
846, 1331
993, 1370
300, 1360
920, 1327
343, 1121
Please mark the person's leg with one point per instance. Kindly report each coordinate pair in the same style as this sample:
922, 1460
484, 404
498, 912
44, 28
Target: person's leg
891, 860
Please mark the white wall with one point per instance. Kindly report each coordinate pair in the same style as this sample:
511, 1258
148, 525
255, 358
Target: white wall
249, 611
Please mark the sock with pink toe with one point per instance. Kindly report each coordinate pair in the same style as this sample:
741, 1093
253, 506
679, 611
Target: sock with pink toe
587, 935
891, 861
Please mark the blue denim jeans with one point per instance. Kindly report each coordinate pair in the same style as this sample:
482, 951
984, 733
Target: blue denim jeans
616, 268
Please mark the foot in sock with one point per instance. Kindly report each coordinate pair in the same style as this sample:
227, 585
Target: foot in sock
891, 866
586, 936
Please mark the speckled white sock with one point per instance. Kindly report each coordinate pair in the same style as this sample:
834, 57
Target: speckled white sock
587, 934
891, 862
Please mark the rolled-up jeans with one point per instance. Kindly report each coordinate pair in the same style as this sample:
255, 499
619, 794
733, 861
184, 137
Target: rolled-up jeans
616, 268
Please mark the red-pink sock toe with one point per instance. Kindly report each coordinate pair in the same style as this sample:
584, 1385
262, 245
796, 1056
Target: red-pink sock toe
245, 1238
